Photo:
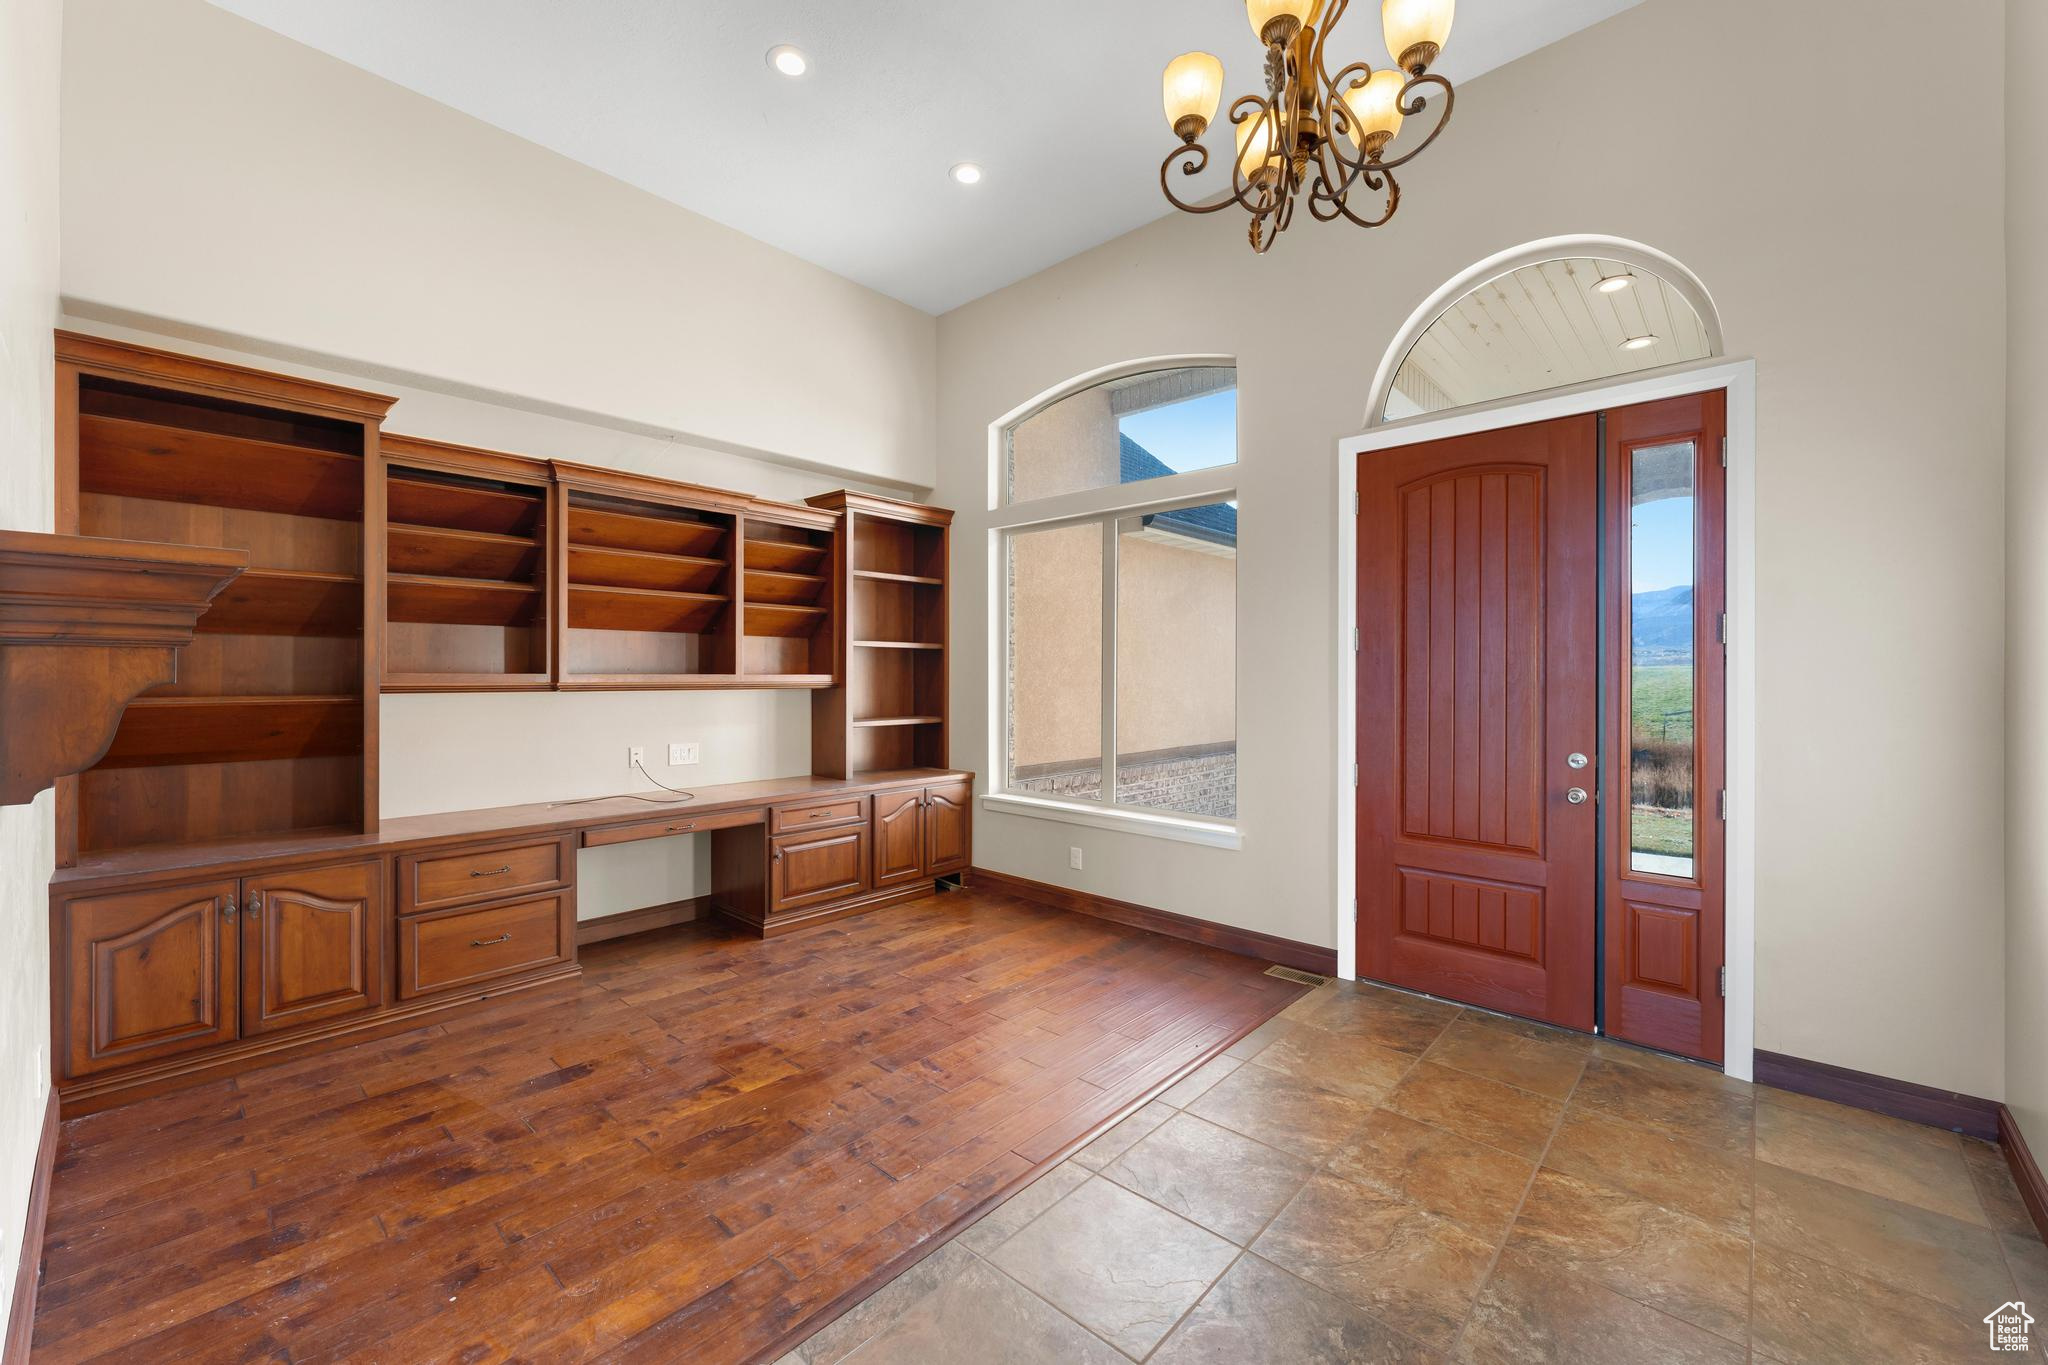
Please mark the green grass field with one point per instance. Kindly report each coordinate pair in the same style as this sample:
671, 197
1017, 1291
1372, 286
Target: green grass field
1660, 715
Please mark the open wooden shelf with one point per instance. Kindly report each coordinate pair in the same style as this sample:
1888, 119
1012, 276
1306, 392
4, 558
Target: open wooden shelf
678, 534
295, 602
896, 644
135, 459
643, 609
782, 556
877, 576
443, 504
776, 586
774, 618
443, 552
460, 601
157, 731
596, 566
873, 722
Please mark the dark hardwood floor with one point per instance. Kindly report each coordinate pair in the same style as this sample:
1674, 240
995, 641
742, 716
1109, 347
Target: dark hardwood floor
697, 1151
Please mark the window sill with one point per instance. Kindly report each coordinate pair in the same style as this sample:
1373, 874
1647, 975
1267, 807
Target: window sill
1178, 828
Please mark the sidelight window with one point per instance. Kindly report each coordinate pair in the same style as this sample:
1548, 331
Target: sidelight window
1118, 689
1662, 681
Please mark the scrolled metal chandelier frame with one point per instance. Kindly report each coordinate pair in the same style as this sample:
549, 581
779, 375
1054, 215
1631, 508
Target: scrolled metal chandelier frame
1312, 134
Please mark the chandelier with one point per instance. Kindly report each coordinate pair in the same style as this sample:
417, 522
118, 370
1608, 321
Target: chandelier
1311, 132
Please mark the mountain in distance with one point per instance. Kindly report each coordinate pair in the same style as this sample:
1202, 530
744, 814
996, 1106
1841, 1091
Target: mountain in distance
1661, 625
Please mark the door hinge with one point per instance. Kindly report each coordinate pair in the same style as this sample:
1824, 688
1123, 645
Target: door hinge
1724, 452
1354, 638
1724, 982
1357, 503
1721, 628
1354, 774
1721, 803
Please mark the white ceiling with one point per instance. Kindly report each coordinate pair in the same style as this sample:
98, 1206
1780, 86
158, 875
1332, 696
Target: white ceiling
847, 167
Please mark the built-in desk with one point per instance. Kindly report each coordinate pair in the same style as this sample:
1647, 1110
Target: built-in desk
182, 963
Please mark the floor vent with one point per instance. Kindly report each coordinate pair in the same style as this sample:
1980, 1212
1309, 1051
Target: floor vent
1299, 978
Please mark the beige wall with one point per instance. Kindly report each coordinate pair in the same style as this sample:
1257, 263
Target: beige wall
29, 32
1881, 468
2026, 513
218, 175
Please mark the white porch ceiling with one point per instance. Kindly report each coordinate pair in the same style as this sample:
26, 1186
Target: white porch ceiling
847, 167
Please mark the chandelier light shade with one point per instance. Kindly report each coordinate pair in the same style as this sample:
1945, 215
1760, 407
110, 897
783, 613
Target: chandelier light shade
1311, 135
1416, 31
1278, 20
1194, 87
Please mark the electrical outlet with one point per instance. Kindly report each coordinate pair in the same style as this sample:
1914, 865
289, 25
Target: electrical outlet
682, 754
1074, 858
636, 757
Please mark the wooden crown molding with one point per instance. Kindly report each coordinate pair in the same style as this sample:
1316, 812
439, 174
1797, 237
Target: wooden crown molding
147, 364
875, 505
85, 625
421, 453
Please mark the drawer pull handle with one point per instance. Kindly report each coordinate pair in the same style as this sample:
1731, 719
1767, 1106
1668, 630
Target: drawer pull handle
678, 829
491, 872
487, 942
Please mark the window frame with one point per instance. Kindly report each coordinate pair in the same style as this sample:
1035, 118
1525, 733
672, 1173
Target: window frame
1105, 508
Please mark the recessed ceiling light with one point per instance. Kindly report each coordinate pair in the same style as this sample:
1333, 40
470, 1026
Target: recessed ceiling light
966, 173
1614, 284
1641, 343
788, 60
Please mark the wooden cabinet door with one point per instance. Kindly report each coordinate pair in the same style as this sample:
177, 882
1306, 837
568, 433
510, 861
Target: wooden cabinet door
147, 974
947, 827
312, 942
810, 869
899, 837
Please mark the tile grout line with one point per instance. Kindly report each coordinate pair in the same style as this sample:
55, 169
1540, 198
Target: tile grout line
1500, 1248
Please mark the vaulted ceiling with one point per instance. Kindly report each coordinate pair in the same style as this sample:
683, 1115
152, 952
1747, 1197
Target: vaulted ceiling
847, 167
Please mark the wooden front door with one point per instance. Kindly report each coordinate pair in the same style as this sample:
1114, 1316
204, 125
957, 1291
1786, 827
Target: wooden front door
1478, 689
311, 945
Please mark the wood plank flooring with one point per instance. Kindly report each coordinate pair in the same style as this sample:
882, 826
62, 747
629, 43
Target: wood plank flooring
700, 1150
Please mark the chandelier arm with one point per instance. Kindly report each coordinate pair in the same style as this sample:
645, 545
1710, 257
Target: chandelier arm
1322, 71
1443, 118
1197, 157
1374, 182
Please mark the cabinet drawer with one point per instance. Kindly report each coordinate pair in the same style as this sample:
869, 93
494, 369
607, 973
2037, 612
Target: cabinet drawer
674, 824
435, 881
444, 949
788, 819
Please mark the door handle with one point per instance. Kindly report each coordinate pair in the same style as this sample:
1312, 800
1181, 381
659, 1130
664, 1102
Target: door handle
1577, 796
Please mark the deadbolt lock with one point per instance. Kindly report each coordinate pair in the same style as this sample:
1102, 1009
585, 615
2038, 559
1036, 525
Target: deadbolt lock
1575, 761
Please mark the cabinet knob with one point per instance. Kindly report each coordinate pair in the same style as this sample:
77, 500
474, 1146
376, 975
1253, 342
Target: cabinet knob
227, 909
255, 905
778, 855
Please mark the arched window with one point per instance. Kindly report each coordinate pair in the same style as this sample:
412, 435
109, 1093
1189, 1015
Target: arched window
1544, 316
1117, 528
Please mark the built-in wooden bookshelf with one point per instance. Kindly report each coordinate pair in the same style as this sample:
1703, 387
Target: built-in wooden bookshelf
790, 628
648, 593
466, 569
891, 710
270, 725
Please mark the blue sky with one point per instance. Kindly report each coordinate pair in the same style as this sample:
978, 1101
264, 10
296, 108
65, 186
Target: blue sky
1660, 551
1200, 433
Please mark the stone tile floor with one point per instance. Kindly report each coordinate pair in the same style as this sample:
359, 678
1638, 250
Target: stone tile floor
1373, 1176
